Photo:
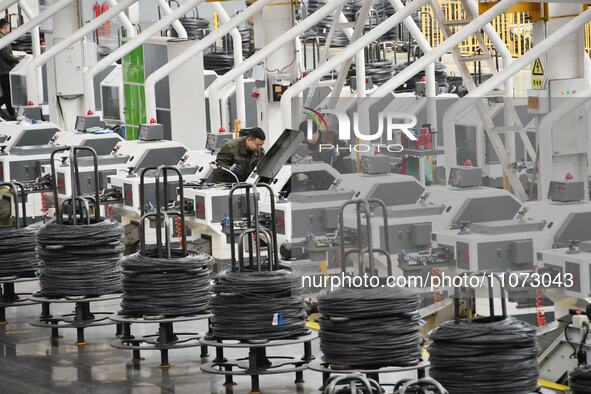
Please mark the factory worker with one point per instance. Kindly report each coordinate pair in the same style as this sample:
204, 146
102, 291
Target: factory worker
7, 62
238, 157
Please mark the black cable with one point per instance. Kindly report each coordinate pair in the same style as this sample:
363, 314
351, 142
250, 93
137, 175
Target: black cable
370, 327
80, 260
582, 355
18, 256
579, 380
485, 357
574, 353
154, 286
264, 305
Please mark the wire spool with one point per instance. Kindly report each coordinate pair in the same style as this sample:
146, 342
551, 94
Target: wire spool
219, 62
498, 356
339, 38
245, 34
580, 380
260, 305
18, 256
380, 71
440, 77
370, 327
80, 260
195, 27
169, 287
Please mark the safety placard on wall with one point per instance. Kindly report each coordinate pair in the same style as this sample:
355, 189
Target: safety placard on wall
537, 75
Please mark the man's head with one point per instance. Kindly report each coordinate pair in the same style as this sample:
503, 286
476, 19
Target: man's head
4, 26
304, 128
255, 139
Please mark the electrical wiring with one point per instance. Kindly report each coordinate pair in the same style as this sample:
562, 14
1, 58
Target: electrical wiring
370, 327
263, 305
579, 380
80, 260
17, 251
485, 357
170, 287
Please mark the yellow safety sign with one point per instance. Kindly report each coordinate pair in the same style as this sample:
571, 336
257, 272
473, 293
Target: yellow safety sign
538, 68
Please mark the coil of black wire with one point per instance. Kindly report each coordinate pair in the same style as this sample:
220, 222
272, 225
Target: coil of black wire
168, 287
18, 256
80, 260
369, 327
196, 28
264, 305
219, 62
579, 380
484, 356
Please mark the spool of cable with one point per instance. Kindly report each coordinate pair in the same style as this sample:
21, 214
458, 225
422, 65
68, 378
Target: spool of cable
18, 256
170, 287
80, 260
370, 327
260, 305
219, 62
481, 356
580, 380
195, 27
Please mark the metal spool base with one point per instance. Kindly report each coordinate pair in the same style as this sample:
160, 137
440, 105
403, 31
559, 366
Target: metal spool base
82, 317
258, 363
164, 340
328, 370
9, 298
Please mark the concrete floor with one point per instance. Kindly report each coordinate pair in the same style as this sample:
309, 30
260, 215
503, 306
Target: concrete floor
29, 363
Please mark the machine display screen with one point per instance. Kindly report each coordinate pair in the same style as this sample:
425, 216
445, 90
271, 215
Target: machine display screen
80, 123
163, 156
36, 137
279, 153
34, 113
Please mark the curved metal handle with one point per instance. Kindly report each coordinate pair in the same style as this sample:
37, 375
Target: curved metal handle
142, 195
163, 170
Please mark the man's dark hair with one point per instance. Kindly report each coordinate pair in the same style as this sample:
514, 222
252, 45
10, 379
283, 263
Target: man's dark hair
3, 22
256, 132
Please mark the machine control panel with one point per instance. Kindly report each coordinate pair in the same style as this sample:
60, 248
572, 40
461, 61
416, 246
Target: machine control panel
85, 123
31, 112
465, 176
566, 191
378, 164
151, 132
215, 141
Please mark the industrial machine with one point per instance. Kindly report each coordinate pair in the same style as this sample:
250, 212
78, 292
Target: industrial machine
210, 202
149, 151
511, 244
415, 212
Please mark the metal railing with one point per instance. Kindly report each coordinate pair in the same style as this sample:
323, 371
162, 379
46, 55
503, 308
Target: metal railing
514, 28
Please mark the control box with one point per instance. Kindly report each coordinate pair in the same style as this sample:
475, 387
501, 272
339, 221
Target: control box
566, 191
278, 85
378, 164
32, 112
215, 141
87, 122
151, 132
465, 176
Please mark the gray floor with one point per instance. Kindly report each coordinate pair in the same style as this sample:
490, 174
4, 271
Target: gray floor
29, 363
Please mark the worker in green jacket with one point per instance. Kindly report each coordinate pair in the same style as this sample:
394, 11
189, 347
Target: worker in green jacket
7, 63
238, 157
